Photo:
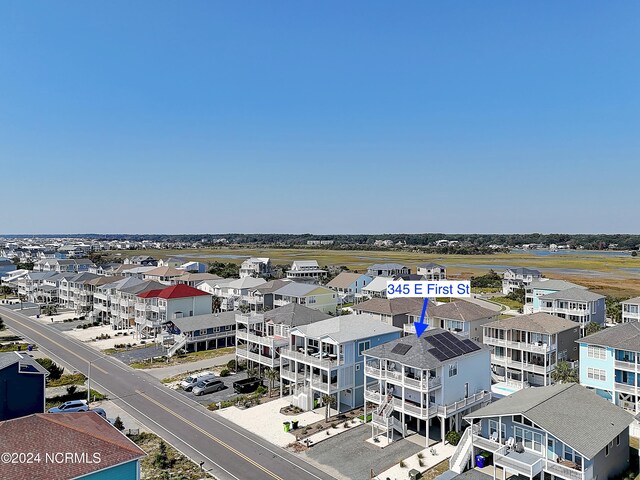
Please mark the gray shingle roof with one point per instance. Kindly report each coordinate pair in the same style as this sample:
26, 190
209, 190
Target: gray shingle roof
294, 314
429, 265
271, 286
344, 279
550, 284
387, 266
625, 336
202, 322
295, 289
9, 358
393, 306
418, 355
634, 300
461, 311
524, 271
346, 328
577, 294
535, 322
587, 428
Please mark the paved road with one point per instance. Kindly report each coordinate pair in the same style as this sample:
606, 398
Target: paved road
228, 451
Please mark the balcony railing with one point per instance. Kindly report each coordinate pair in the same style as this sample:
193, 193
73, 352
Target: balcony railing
529, 367
625, 387
310, 359
372, 371
507, 458
626, 365
524, 346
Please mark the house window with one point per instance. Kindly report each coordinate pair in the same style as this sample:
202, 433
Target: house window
453, 369
596, 374
617, 440
599, 353
311, 300
357, 367
362, 346
606, 450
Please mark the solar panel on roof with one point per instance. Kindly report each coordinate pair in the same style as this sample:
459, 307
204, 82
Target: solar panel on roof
438, 354
401, 349
471, 344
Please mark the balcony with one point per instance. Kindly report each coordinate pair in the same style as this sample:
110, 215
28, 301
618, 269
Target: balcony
452, 408
625, 365
256, 357
522, 346
324, 362
372, 396
526, 463
267, 341
625, 387
529, 367
319, 383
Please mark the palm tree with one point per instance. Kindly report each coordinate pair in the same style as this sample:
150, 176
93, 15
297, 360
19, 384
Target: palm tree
272, 375
564, 373
216, 303
327, 401
592, 327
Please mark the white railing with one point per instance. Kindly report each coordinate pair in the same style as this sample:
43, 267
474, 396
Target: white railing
447, 410
523, 346
374, 372
527, 469
180, 342
625, 365
462, 451
301, 357
623, 387
372, 396
563, 471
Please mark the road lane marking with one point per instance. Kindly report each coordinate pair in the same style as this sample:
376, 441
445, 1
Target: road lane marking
63, 347
191, 404
212, 437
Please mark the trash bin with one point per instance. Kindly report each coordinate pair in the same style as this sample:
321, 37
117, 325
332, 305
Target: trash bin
294, 424
287, 426
480, 461
414, 474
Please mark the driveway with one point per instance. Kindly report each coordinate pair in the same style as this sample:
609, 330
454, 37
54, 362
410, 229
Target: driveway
138, 354
221, 395
349, 455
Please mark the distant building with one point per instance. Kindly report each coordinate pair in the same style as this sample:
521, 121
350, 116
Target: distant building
631, 310
256, 267
576, 304
349, 284
388, 270
543, 286
432, 271
195, 267
200, 332
312, 296
306, 271
6, 266
518, 278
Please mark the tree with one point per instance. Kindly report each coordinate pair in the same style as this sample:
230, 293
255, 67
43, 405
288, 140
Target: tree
216, 303
71, 389
161, 459
244, 308
5, 290
118, 423
591, 328
271, 374
564, 373
55, 371
2, 325
613, 308
634, 254
517, 295
327, 401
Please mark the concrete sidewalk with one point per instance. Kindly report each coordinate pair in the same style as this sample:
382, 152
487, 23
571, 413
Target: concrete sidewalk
166, 372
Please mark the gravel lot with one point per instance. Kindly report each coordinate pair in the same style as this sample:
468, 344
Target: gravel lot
137, 354
352, 457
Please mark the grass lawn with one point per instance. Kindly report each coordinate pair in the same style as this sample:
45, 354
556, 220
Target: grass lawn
175, 465
507, 302
436, 470
188, 358
15, 346
67, 379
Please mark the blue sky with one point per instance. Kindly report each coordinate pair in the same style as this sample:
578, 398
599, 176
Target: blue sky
319, 117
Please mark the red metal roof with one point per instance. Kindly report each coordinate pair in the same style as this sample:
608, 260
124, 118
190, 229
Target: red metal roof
174, 291
85, 433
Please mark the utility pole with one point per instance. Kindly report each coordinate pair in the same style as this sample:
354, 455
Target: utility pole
89, 385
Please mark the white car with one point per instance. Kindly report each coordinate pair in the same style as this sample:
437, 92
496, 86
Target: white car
71, 406
192, 380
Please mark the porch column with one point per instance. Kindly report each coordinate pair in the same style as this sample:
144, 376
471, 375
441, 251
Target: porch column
426, 430
473, 458
442, 422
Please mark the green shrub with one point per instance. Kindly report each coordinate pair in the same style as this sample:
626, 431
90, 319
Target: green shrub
231, 365
55, 371
452, 437
224, 373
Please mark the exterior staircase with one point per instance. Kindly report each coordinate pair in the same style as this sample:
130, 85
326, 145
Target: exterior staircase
462, 454
181, 341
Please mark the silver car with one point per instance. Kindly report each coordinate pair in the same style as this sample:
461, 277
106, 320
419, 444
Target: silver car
71, 406
208, 386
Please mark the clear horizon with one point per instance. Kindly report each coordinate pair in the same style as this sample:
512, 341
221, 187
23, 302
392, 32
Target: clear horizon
329, 118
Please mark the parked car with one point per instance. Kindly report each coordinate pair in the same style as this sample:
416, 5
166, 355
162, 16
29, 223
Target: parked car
247, 385
71, 406
208, 386
99, 411
192, 380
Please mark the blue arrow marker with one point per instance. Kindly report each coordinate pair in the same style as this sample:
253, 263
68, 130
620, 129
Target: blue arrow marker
421, 326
